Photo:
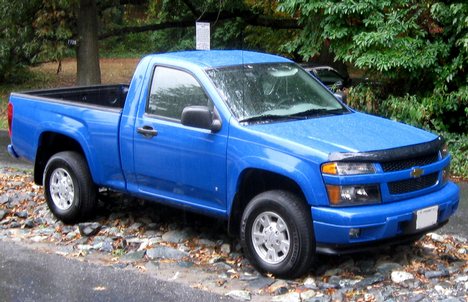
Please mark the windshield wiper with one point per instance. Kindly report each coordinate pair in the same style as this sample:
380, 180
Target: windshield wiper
318, 112
269, 117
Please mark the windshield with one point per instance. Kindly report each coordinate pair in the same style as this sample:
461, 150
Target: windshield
281, 90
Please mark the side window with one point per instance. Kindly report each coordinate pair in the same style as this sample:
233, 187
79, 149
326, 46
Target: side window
172, 90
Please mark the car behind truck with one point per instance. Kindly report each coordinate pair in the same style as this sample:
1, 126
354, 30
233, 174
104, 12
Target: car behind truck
248, 137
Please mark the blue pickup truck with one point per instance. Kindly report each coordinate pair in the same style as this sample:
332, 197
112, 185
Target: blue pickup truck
248, 137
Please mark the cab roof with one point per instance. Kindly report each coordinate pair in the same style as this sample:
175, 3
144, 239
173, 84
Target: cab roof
219, 58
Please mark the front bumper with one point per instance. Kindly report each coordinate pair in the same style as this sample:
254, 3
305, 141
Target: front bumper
394, 220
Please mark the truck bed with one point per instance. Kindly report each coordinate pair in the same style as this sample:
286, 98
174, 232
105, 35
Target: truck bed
99, 95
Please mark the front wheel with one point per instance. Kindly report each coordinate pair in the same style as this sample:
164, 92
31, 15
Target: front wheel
69, 190
277, 234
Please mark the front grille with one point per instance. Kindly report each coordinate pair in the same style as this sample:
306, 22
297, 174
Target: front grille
405, 164
413, 184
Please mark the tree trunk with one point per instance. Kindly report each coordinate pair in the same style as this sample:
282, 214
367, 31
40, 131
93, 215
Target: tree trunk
87, 53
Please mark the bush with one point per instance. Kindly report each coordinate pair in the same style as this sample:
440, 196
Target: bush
458, 147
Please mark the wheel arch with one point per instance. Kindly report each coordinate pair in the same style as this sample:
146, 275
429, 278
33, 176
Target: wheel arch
51, 143
252, 182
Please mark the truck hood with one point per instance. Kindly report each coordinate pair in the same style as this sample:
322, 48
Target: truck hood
354, 132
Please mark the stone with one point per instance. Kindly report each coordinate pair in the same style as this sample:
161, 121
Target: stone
133, 256
226, 248
206, 242
338, 296
71, 236
4, 199
325, 285
333, 272
335, 280
165, 252
318, 299
84, 247
366, 266
436, 274
460, 239
15, 225
309, 282
2, 214
176, 236
387, 267
279, 287
21, 214
348, 265
104, 246
185, 264
437, 237
89, 228
29, 224
240, 295
308, 294
290, 297
416, 298
401, 276
151, 233
261, 282
134, 227
461, 279
370, 280
222, 265
443, 290
377, 295
248, 277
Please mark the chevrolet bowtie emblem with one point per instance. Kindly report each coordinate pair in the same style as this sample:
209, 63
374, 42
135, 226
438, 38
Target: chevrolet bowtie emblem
416, 172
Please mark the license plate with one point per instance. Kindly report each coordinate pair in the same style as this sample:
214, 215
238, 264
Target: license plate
426, 217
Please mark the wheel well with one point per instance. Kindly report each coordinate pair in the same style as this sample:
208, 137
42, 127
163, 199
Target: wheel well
254, 182
51, 143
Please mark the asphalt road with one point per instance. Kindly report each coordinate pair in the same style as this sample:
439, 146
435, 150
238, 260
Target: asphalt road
28, 275
458, 224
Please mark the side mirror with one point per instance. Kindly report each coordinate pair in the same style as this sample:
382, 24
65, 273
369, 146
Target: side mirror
200, 117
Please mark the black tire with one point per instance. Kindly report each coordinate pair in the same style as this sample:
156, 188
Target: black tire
296, 216
69, 189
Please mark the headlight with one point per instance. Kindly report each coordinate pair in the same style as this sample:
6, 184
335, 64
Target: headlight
343, 168
353, 195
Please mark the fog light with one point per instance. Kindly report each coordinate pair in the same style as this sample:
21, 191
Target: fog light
354, 233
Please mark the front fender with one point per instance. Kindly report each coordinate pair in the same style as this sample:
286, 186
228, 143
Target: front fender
247, 155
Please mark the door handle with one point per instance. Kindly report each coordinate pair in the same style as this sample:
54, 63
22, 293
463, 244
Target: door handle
147, 131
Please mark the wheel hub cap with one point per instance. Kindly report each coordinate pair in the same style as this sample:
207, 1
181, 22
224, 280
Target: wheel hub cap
270, 237
61, 188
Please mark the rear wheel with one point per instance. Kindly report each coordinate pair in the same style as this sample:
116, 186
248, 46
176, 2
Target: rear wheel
69, 190
277, 234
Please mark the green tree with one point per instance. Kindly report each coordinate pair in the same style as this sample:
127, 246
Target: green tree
84, 23
414, 47
18, 44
